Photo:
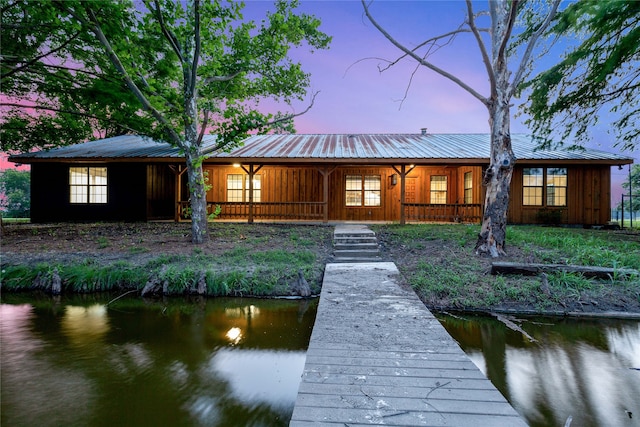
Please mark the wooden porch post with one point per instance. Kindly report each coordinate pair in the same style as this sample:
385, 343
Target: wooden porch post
325, 172
403, 172
402, 195
251, 172
177, 172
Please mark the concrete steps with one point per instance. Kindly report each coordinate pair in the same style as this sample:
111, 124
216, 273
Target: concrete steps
355, 243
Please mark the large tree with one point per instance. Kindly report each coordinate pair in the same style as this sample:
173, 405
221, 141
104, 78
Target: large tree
506, 58
55, 89
185, 68
597, 74
15, 193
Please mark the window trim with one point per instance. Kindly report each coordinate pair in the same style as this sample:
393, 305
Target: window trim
88, 194
257, 191
545, 187
438, 199
365, 187
527, 198
467, 192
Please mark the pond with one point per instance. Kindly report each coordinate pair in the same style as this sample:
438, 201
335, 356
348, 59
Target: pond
585, 370
213, 362
238, 362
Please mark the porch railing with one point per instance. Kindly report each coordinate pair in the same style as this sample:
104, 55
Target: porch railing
261, 210
440, 213
314, 211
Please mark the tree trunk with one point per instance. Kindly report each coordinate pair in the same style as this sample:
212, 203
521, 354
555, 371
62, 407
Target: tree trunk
197, 200
497, 178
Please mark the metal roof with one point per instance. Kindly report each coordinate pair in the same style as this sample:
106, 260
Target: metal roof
117, 147
325, 148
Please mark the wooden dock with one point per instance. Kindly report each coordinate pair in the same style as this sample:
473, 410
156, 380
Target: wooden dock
378, 356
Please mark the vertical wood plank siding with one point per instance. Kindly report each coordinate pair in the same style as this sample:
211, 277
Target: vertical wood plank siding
588, 198
160, 192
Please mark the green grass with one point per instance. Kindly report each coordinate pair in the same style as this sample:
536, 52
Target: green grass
252, 267
438, 261
16, 220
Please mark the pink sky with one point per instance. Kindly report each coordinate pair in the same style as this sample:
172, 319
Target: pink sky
356, 98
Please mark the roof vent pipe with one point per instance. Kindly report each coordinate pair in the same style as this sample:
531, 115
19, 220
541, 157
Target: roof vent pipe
423, 131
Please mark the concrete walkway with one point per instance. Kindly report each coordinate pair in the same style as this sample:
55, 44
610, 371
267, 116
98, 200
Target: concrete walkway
378, 356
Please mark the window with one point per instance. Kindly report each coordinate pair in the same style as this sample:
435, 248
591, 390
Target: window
238, 188
88, 185
362, 190
468, 187
533, 184
532, 187
438, 189
557, 187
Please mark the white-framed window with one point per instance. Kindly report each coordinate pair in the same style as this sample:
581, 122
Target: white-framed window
532, 184
238, 188
550, 181
363, 190
438, 190
87, 185
468, 187
557, 187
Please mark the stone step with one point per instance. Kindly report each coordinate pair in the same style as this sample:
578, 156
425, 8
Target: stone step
356, 234
355, 260
350, 240
356, 246
364, 253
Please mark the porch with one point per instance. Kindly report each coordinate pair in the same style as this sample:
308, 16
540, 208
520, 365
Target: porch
317, 211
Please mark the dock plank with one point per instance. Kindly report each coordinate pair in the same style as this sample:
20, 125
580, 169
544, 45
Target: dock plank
378, 356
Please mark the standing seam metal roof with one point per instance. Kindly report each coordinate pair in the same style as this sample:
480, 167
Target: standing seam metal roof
321, 147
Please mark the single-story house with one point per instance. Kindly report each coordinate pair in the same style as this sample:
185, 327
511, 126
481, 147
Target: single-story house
359, 177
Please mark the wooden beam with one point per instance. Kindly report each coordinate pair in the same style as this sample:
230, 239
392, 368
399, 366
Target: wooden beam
251, 172
325, 172
403, 172
178, 171
532, 269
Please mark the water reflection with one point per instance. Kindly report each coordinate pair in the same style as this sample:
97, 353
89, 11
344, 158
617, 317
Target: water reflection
211, 363
260, 376
583, 369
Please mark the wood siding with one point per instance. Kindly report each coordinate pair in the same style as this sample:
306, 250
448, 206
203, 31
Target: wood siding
161, 187
588, 198
126, 194
139, 192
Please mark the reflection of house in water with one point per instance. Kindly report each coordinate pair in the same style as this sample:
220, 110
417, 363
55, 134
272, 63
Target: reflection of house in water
85, 325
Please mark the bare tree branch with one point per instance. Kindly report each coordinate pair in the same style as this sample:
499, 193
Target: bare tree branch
216, 79
532, 42
513, 14
292, 116
483, 50
427, 64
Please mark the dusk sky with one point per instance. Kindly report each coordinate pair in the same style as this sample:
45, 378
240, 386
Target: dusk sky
355, 97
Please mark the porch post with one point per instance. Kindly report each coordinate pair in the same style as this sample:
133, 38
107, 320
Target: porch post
251, 172
403, 172
325, 172
402, 194
177, 172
